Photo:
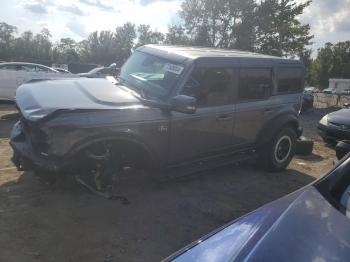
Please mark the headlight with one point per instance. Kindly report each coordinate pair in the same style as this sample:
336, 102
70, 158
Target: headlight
324, 120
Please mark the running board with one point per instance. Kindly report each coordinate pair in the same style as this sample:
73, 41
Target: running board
179, 171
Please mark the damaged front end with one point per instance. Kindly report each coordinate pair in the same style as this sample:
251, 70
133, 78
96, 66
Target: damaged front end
30, 145
96, 165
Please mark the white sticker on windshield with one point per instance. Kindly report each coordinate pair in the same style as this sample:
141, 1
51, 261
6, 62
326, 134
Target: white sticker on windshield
173, 68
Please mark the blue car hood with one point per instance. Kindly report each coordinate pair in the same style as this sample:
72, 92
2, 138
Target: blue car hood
302, 226
340, 117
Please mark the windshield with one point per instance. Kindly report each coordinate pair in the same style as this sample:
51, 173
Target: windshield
150, 75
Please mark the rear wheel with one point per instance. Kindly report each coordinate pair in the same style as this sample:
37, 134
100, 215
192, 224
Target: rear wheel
276, 155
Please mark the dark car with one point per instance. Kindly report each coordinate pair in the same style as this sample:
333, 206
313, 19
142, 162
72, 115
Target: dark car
335, 126
62, 70
173, 108
308, 101
101, 72
311, 224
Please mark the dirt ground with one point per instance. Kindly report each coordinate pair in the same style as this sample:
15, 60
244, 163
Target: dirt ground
64, 222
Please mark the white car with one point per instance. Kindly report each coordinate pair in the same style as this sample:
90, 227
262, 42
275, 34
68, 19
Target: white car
12, 75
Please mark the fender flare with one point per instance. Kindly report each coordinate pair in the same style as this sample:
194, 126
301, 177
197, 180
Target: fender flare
114, 138
270, 128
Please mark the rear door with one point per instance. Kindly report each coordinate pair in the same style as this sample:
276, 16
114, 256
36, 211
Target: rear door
209, 130
289, 86
253, 103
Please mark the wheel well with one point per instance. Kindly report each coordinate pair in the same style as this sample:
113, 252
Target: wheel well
292, 124
264, 137
128, 152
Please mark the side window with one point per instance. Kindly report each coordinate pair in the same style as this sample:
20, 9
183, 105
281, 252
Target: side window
254, 83
28, 68
41, 69
289, 80
210, 86
11, 67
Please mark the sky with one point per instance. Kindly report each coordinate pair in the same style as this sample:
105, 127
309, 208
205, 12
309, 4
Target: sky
329, 19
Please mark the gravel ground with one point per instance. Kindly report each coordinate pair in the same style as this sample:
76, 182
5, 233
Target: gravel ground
66, 223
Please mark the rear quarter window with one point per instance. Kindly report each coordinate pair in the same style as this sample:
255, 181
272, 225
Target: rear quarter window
289, 80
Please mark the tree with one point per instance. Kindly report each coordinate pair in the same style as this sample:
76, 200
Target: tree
305, 57
147, 36
279, 32
107, 47
65, 51
42, 45
100, 48
6, 37
220, 23
176, 35
332, 61
24, 47
124, 38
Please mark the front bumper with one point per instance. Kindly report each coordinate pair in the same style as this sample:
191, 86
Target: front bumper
24, 156
332, 133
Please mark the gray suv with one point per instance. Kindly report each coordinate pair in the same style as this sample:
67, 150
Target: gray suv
174, 108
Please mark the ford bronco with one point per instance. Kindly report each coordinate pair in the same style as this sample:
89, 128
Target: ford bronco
172, 108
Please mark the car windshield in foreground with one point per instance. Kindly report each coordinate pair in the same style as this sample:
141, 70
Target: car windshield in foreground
150, 75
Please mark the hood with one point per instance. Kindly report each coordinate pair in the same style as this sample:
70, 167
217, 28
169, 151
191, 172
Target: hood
340, 117
300, 227
39, 99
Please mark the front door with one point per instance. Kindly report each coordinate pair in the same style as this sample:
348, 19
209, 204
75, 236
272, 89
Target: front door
209, 130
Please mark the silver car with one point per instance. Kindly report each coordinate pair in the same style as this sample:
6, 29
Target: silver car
12, 75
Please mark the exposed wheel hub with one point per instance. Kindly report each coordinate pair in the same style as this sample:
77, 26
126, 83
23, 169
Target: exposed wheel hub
283, 149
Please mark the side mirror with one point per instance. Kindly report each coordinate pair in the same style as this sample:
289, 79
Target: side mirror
342, 148
184, 104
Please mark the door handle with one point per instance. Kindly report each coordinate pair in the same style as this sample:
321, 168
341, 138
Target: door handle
224, 118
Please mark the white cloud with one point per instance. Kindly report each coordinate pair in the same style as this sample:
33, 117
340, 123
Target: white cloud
329, 20
77, 18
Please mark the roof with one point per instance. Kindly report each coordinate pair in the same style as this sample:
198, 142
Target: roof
194, 52
21, 63
25, 63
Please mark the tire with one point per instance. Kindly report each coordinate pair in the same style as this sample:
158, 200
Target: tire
276, 155
304, 146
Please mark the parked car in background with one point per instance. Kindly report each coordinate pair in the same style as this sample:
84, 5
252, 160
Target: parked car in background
311, 89
12, 75
329, 91
335, 126
173, 108
101, 72
311, 224
61, 70
308, 101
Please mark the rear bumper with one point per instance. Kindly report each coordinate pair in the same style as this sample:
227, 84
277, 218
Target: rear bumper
24, 156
